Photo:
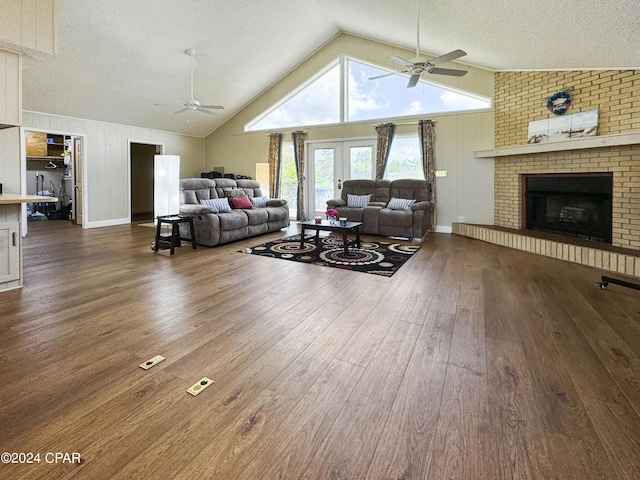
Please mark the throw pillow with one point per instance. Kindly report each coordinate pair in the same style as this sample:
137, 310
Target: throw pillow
235, 193
258, 202
400, 204
358, 201
241, 202
220, 204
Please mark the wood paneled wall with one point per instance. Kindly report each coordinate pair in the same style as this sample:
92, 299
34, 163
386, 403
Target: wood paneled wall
28, 24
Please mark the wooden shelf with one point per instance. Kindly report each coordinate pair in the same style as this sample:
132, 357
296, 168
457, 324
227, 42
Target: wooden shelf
577, 144
15, 198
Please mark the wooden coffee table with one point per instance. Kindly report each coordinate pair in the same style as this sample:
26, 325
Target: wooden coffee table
325, 225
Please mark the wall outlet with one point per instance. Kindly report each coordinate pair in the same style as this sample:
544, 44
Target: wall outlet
461, 219
441, 173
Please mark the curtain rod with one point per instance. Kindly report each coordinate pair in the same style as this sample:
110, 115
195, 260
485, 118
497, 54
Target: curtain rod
403, 123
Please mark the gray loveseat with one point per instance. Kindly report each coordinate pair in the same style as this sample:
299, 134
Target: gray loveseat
213, 227
377, 218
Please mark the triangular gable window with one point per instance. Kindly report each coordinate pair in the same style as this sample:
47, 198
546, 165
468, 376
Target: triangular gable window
389, 97
318, 101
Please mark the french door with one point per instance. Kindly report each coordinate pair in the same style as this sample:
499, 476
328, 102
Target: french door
331, 163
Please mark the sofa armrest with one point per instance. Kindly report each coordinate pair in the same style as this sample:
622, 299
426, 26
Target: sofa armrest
336, 202
421, 206
377, 204
276, 202
193, 209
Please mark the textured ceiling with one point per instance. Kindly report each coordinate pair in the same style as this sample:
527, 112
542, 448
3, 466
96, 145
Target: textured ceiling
116, 59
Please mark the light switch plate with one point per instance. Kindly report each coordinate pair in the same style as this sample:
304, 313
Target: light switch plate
152, 362
198, 387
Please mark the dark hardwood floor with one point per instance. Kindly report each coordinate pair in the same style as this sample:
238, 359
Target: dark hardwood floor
473, 362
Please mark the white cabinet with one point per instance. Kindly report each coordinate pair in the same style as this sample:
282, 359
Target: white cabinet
10, 88
9, 252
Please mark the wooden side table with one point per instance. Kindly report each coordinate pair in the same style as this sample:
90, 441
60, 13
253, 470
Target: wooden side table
173, 239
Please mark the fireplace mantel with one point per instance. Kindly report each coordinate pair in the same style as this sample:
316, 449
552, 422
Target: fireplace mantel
577, 144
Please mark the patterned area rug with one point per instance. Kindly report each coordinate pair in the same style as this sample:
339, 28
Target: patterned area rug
379, 257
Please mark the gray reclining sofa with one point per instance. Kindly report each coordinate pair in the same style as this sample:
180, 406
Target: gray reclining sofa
377, 217
213, 227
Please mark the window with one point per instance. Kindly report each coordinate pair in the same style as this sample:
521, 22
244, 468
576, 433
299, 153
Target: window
389, 96
404, 159
318, 101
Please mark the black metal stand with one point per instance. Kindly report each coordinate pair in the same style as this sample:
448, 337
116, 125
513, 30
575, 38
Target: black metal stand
607, 280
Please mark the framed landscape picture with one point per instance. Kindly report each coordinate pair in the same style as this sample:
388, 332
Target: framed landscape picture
584, 124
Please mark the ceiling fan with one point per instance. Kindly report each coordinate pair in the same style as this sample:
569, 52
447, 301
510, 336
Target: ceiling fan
420, 65
191, 103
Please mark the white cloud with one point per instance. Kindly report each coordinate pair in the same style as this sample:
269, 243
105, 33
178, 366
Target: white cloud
360, 100
414, 108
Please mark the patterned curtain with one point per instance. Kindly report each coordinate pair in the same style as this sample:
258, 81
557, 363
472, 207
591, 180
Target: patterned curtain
275, 153
385, 137
427, 134
298, 157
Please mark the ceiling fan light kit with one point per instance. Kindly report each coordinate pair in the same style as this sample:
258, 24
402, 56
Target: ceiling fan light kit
420, 65
192, 103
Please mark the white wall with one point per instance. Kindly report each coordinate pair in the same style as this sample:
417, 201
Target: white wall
466, 191
107, 160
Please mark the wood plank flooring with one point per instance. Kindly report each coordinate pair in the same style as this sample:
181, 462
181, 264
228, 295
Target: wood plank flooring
473, 362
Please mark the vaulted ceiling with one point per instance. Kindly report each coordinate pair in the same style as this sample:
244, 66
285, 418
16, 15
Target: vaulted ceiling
116, 59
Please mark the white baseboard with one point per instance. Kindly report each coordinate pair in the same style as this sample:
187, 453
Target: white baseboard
106, 223
443, 229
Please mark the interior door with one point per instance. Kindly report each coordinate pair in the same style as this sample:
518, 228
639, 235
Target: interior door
331, 163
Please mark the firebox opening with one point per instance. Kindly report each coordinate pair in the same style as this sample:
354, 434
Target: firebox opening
569, 204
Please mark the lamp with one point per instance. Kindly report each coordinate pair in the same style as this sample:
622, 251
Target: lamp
262, 176
166, 185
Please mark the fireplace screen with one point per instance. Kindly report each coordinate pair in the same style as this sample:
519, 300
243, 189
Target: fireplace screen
578, 206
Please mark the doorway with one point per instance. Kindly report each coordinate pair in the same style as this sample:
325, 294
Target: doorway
331, 163
141, 163
52, 167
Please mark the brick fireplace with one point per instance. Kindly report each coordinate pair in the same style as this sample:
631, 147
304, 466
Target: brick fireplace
621, 162
519, 98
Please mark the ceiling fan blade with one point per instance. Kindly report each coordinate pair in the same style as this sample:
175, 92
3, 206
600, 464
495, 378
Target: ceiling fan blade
413, 81
400, 60
215, 107
447, 57
447, 71
205, 111
182, 110
165, 105
382, 76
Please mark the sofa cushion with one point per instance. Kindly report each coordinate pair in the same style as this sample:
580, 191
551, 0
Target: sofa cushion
395, 218
220, 204
400, 203
241, 202
358, 201
352, 214
233, 220
258, 202
257, 216
410, 188
277, 213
